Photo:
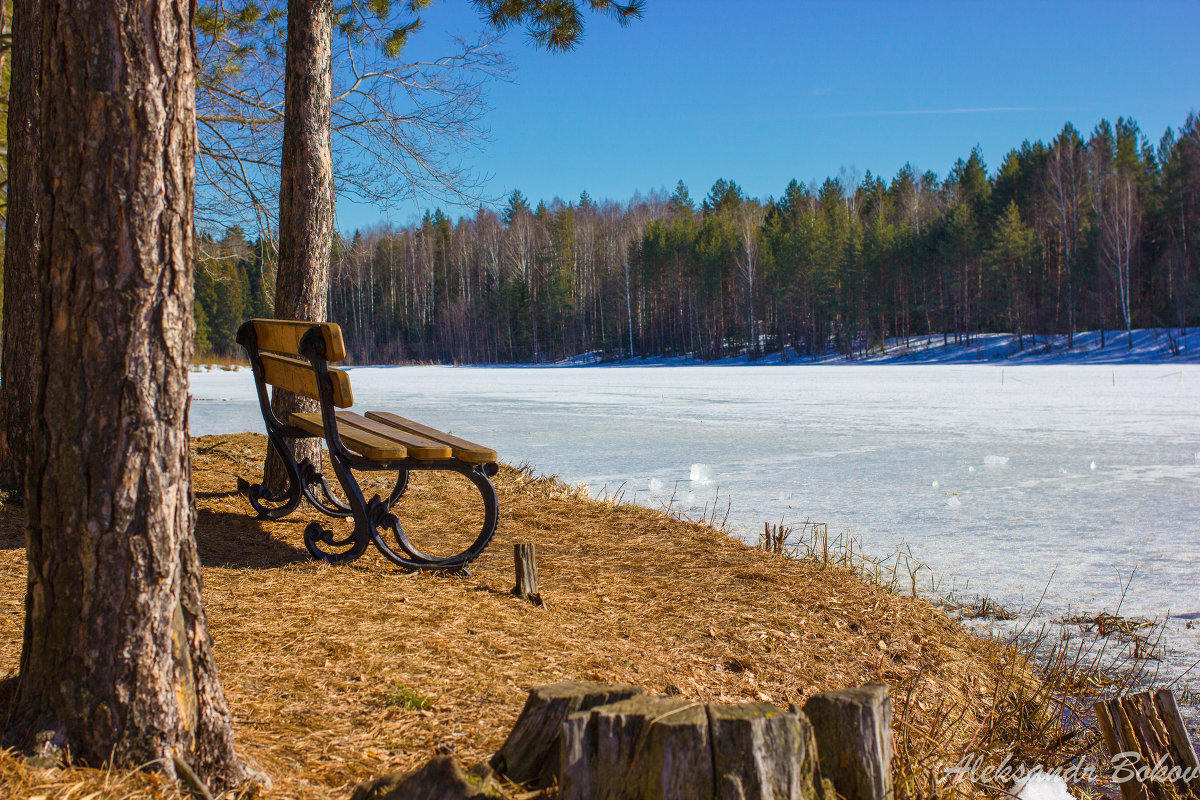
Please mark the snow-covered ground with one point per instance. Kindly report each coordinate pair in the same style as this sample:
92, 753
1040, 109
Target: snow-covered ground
997, 476
1147, 346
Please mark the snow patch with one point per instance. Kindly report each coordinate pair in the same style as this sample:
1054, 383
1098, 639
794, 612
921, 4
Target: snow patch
1041, 786
996, 461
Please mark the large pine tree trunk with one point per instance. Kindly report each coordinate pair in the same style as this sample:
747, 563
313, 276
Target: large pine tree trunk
20, 355
305, 195
117, 662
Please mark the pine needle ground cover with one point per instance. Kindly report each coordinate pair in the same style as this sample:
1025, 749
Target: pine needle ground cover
339, 674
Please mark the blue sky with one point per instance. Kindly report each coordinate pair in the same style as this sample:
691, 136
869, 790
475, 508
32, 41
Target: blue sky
763, 91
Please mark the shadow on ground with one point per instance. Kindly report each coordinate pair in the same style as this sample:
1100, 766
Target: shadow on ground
242, 541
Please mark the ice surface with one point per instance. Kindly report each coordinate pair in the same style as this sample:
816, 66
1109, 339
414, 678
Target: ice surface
859, 447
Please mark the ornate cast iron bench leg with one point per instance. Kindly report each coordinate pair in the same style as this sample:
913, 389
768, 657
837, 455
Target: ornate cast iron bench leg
276, 505
374, 521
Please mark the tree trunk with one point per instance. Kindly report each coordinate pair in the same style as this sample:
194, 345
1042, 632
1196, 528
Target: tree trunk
305, 196
21, 306
117, 662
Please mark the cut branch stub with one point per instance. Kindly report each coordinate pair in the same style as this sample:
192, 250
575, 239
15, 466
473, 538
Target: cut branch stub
525, 564
762, 752
530, 755
644, 747
853, 729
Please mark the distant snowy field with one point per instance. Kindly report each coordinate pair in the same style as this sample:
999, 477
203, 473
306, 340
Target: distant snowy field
997, 477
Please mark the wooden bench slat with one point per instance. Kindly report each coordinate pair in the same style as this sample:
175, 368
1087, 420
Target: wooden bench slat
299, 377
283, 336
362, 442
418, 446
466, 451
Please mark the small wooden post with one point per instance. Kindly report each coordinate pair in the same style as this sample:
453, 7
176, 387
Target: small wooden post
853, 729
1147, 731
525, 562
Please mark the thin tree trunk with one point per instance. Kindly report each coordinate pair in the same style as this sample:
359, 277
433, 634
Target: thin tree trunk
305, 196
21, 304
117, 662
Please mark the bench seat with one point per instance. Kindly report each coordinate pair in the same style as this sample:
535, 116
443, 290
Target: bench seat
381, 436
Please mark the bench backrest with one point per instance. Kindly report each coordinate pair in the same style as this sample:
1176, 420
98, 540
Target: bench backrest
284, 366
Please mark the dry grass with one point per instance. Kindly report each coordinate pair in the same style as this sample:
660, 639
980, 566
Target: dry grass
337, 675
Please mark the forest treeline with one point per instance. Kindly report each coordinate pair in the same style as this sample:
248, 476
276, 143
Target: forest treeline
1101, 231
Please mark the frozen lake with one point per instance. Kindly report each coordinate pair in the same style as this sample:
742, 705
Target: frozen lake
996, 477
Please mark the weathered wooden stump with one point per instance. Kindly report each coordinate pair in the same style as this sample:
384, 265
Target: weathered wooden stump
763, 753
1147, 731
606, 742
440, 779
644, 747
530, 754
853, 729
525, 565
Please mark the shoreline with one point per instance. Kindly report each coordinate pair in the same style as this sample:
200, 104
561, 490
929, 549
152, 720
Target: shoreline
368, 671
1151, 346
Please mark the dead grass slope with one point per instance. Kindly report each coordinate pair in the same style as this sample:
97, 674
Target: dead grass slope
336, 675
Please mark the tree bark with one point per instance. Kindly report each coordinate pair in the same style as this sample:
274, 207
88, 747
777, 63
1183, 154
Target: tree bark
117, 663
853, 729
21, 306
305, 196
533, 750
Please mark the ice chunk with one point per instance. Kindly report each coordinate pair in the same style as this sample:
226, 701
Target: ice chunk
1041, 786
701, 473
970, 469
953, 501
996, 461
1092, 465
656, 485
935, 484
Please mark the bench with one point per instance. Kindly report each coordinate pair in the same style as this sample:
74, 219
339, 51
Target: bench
295, 356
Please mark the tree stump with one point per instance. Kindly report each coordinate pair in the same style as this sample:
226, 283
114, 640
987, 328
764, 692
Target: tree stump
763, 753
440, 779
525, 564
1146, 731
853, 729
644, 747
530, 754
